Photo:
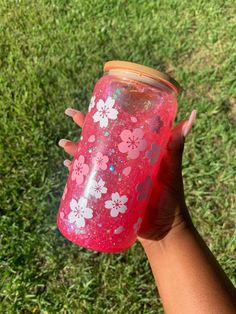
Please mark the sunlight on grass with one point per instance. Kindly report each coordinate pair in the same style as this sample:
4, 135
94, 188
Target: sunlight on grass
51, 54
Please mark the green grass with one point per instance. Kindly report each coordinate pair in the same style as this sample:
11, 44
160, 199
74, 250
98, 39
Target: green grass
51, 54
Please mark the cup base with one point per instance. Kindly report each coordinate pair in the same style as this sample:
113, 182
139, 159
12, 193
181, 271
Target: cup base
91, 247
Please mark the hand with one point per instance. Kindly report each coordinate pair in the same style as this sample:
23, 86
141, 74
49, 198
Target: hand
166, 210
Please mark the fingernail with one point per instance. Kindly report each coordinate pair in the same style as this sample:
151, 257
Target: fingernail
67, 163
70, 112
189, 124
63, 142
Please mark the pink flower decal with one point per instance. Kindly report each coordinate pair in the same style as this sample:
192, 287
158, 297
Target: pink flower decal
133, 143
100, 161
80, 169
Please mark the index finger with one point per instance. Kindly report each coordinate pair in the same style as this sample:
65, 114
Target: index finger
76, 115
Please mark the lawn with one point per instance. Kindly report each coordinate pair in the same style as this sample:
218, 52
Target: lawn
51, 54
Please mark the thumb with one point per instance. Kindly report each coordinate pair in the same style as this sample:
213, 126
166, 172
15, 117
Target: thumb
172, 159
180, 132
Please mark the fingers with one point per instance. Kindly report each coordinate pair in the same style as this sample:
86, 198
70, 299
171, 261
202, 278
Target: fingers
69, 146
180, 132
172, 159
189, 123
79, 118
68, 164
76, 115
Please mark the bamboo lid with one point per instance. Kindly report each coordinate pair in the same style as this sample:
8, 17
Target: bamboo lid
142, 70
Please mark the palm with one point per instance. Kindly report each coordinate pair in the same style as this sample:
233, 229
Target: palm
167, 197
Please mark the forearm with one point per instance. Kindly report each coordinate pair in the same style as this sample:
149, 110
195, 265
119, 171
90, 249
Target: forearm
188, 277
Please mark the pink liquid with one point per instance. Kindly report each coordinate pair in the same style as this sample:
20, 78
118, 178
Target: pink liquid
110, 182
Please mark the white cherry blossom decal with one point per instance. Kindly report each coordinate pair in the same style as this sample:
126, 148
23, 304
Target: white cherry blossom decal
79, 211
105, 111
98, 188
117, 204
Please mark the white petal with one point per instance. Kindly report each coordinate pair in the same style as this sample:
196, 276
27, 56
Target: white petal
109, 204
88, 213
91, 104
101, 183
80, 222
124, 199
122, 209
112, 114
97, 194
73, 204
96, 116
100, 104
103, 122
103, 190
115, 196
114, 212
72, 217
83, 202
110, 102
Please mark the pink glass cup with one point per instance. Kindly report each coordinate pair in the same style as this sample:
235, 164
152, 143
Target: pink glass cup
128, 124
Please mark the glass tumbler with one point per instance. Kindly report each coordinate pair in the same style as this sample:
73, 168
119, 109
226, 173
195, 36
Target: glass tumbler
126, 129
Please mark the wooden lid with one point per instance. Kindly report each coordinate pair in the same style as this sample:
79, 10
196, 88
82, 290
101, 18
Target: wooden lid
142, 70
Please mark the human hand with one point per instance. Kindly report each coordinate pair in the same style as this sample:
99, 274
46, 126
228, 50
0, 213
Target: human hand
166, 210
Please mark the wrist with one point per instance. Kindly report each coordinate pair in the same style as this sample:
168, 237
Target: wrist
181, 225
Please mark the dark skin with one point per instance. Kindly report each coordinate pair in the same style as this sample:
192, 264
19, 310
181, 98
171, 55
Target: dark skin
188, 276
